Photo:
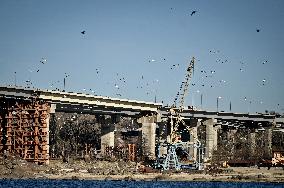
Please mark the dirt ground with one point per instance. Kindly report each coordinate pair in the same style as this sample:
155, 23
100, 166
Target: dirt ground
15, 168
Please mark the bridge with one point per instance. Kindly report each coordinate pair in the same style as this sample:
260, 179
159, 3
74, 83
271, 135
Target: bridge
79, 102
24, 109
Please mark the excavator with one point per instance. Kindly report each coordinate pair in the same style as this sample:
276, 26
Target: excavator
177, 150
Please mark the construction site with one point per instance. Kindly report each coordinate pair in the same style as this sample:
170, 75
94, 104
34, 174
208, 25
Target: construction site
42, 126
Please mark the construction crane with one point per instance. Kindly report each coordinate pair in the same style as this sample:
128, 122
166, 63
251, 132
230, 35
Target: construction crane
171, 160
183, 90
180, 97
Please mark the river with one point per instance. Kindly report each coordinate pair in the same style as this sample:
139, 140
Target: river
140, 184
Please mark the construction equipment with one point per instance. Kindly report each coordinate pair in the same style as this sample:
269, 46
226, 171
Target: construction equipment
183, 90
175, 111
171, 160
278, 158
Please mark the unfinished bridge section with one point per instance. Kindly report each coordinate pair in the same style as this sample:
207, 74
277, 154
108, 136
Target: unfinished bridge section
24, 128
25, 114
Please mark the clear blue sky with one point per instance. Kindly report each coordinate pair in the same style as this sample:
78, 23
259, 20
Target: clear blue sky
123, 36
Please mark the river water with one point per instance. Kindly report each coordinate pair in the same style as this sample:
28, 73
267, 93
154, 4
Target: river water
141, 184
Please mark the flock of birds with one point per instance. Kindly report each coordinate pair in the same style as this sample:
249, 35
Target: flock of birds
149, 86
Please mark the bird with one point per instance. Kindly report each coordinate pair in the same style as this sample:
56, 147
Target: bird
264, 62
43, 60
258, 30
193, 12
83, 32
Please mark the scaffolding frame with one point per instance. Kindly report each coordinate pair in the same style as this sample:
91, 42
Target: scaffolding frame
24, 129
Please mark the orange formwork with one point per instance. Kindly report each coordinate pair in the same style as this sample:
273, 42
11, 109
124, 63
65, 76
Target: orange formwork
24, 129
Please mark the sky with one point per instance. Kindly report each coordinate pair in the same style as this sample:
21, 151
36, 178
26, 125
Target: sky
141, 49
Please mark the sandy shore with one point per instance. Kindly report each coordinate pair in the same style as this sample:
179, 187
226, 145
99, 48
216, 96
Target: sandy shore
127, 171
236, 174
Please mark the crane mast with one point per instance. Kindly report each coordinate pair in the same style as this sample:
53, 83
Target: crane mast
174, 141
183, 91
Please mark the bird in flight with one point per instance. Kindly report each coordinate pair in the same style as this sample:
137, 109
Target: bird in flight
83, 32
193, 12
258, 30
43, 60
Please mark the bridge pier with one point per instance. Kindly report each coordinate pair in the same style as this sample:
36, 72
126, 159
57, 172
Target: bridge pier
211, 137
194, 124
252, 143
268, 143
107, 123
163, 131
149, 135
48, 120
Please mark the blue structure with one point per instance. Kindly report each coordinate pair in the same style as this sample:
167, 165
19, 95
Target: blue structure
172, 161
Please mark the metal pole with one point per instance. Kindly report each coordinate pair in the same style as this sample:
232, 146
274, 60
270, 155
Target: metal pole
15, 78
217, 103
249, 107
64, 84
201, 100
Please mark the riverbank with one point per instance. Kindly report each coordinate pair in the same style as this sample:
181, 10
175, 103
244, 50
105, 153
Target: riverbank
236, 174
128, 171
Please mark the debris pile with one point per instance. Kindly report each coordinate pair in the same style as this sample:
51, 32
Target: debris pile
17, 168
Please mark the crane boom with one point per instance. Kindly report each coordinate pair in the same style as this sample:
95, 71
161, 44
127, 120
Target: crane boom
183, 90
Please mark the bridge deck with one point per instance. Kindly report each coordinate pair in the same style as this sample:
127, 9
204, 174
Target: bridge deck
87, 100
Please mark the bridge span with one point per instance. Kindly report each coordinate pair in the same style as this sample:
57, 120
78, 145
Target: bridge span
25, 110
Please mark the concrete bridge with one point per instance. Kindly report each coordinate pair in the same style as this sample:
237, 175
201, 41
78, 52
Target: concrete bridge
79, 102
19, 103
214, 122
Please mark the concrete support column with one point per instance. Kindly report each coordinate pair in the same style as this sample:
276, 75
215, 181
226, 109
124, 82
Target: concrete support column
148, 135
162, 137
233, 140
252, 143
215, 131
194, 124
51, 113
211, 137
107, 132
268, 143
